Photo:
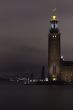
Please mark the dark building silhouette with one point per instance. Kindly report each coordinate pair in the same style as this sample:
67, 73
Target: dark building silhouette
58, 69
32, 76
43, 73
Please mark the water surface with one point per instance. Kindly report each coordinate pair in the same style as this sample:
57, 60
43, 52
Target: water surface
36, 97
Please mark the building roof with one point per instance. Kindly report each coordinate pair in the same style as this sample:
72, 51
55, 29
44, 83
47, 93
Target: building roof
67, 63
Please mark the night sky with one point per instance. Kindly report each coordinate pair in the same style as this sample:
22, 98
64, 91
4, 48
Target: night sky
24, 29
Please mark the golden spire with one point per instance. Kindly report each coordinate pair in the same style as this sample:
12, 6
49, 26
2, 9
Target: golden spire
54, 17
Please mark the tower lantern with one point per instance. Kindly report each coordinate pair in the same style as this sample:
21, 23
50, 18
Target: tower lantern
54, 18
54, 24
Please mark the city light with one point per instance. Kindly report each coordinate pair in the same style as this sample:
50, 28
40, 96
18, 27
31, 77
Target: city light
54, 79
62, 57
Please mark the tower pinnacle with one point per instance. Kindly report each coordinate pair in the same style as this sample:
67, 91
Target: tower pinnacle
53, 18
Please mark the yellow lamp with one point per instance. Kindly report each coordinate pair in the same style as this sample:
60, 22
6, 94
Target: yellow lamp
54, 17
54, 77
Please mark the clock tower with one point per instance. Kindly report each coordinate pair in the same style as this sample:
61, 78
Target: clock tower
54, 50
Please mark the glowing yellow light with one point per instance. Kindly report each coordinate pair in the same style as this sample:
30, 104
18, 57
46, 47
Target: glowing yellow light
54, 18
54, 78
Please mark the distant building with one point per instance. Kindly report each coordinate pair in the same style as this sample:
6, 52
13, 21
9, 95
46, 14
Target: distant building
43, 73
58, 69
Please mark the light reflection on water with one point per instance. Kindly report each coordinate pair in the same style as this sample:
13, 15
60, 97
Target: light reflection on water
36, 97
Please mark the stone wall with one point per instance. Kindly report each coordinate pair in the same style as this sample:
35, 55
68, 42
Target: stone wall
67, 73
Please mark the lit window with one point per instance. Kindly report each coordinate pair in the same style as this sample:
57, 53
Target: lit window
54, 36
52, 25
56, 26
54, 79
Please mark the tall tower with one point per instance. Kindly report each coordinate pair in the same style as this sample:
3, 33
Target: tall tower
54, 50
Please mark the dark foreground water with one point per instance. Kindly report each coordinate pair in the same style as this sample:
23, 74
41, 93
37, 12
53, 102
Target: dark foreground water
36, 97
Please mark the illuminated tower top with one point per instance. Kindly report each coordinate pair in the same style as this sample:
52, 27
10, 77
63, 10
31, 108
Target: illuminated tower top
54, 24
53, 18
